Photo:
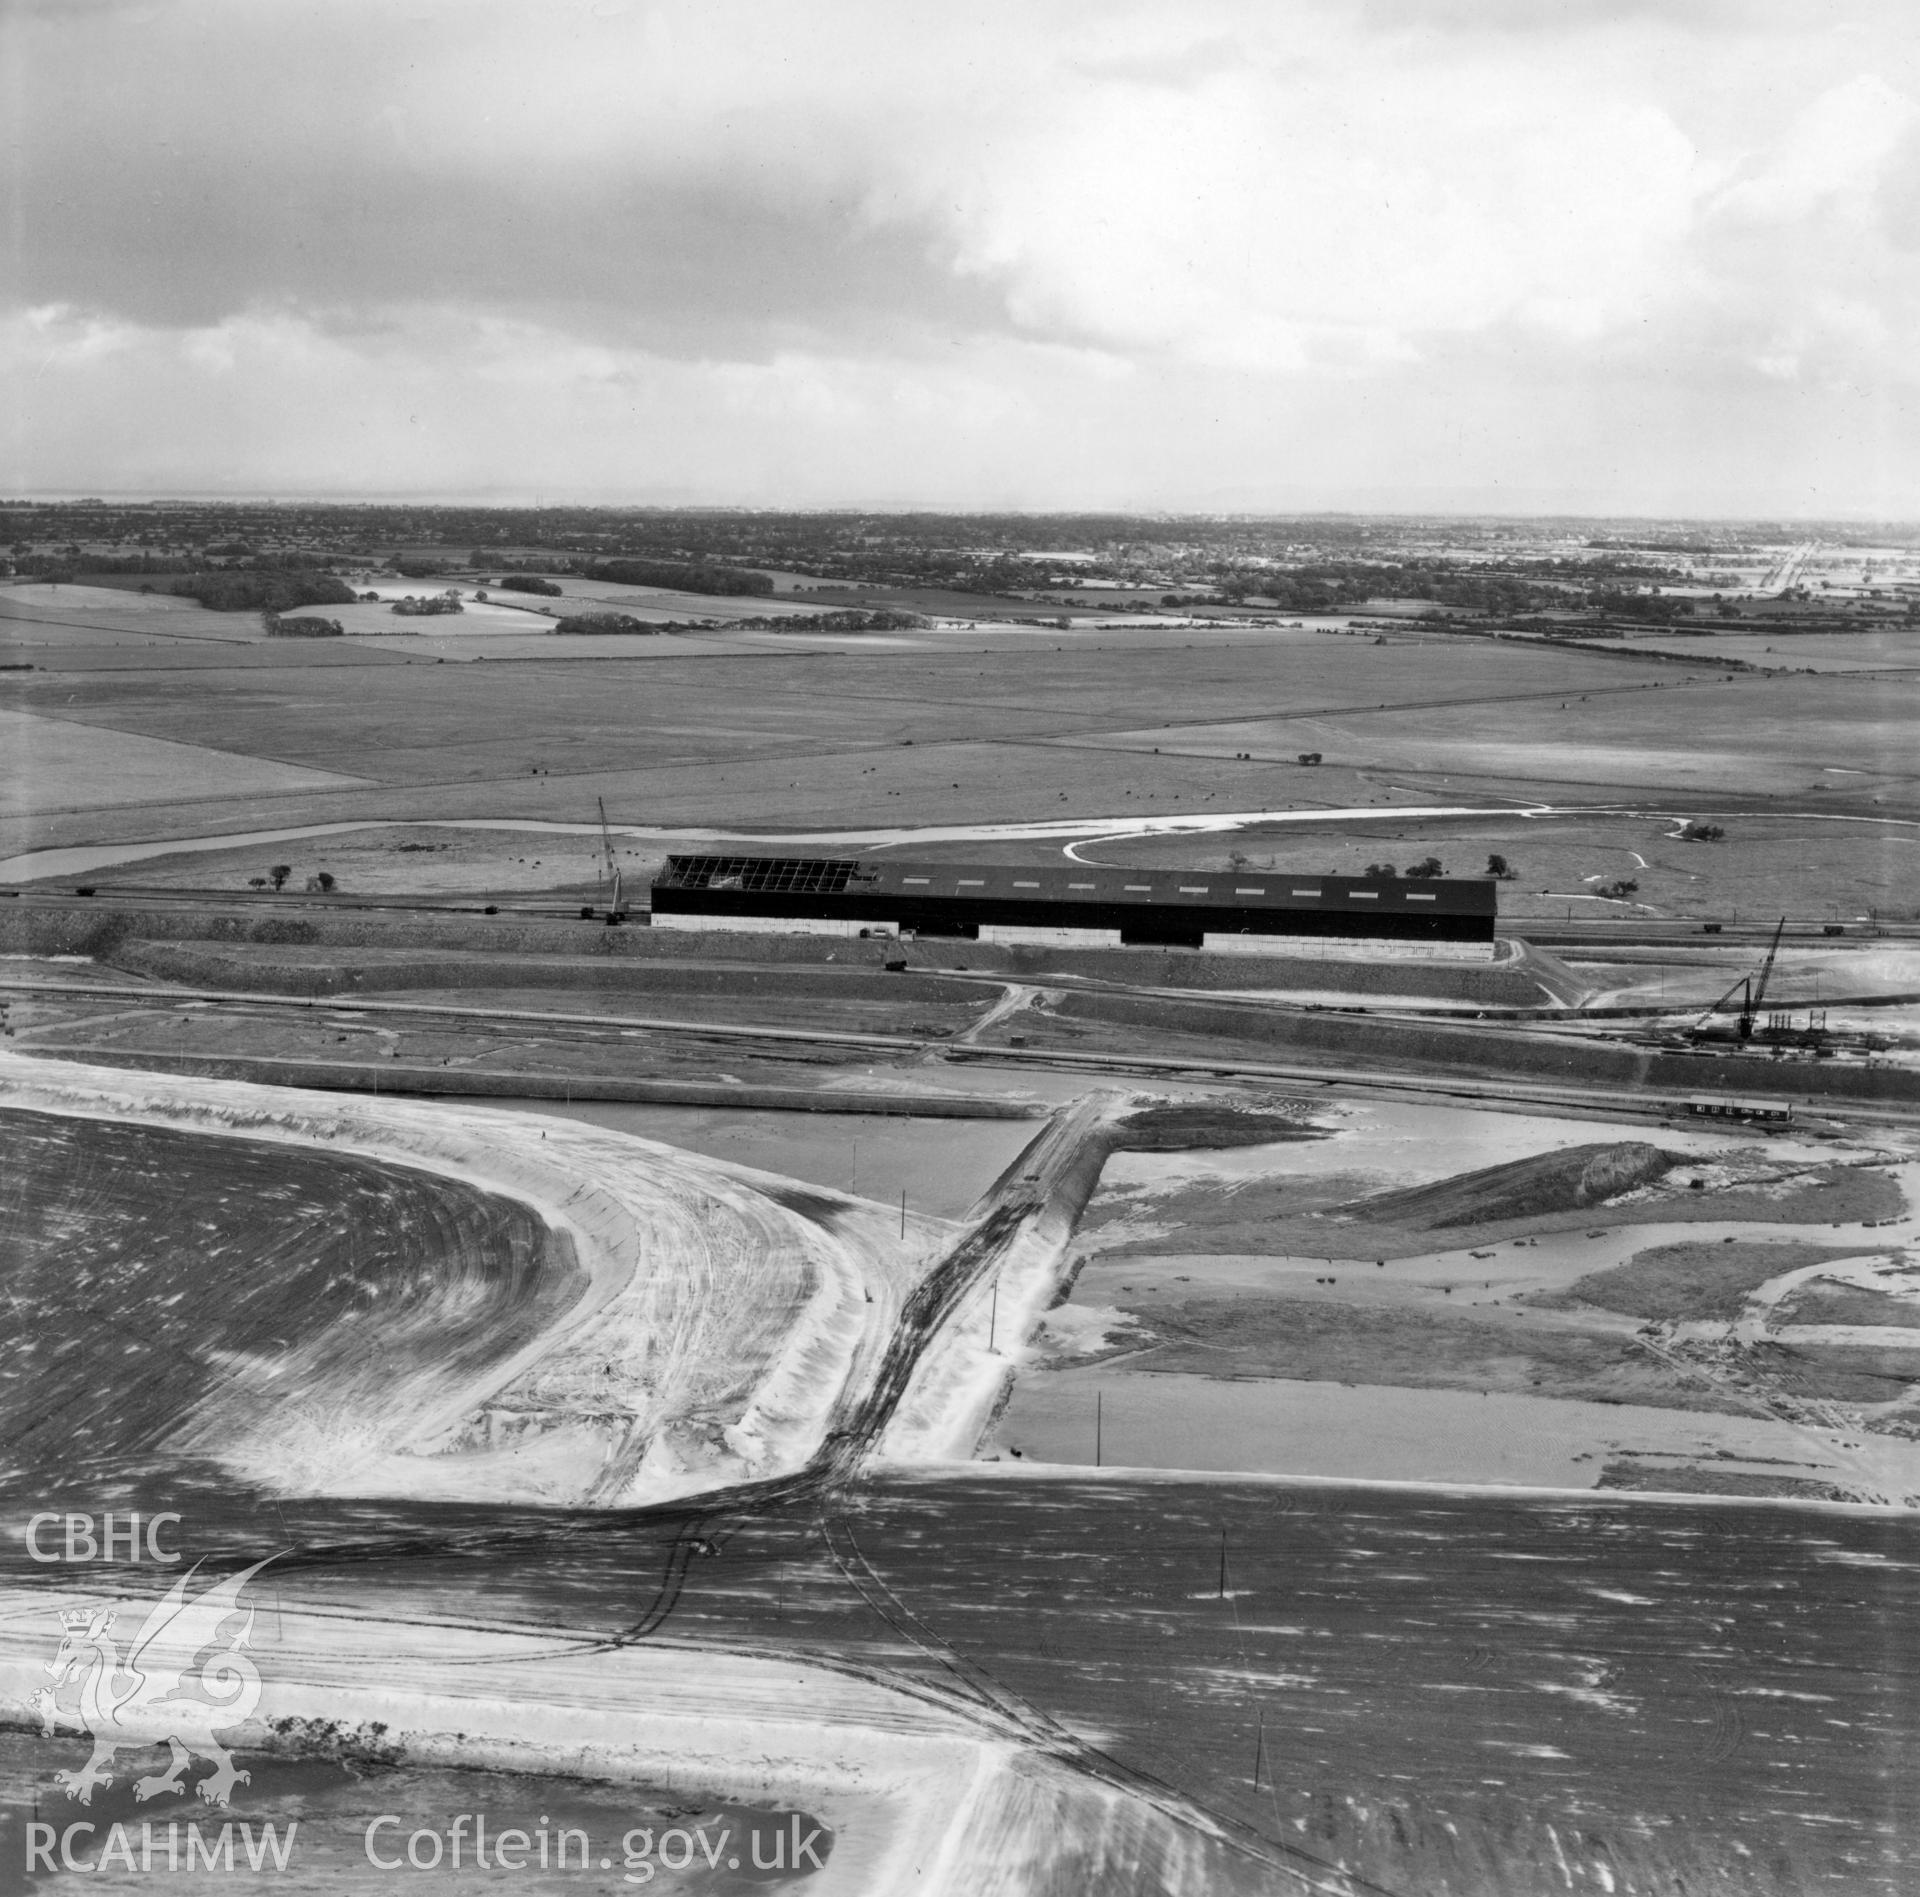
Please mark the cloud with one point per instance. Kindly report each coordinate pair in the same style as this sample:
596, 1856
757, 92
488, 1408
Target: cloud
1193, 180
1833, 156
444, 400
1253, 225
1003, 248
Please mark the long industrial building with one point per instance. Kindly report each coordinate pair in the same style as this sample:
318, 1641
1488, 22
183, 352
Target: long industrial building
1248, 911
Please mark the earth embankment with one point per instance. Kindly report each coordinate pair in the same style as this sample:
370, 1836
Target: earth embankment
439, 1083
299, 969
1486, 1050
1562, 1181
1521, 977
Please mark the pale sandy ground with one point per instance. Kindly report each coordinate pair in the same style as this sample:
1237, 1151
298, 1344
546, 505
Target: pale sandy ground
942, 1166
1800, 977
1285, 1427
920, 1796
1892, 1275
1401, 1144
718, 1333
1377, 1433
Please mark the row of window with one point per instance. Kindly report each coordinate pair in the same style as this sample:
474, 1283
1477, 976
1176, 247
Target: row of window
1185, 889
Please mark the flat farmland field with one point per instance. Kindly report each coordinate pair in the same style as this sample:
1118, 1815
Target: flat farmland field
750, 732
367, 619
1736, 733
58, 764
1808, 864
578, 593
57, 619
1895, 649
413, 860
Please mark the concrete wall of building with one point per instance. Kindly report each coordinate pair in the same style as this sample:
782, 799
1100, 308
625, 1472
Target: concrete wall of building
771, 925
1350, 948
1050, 938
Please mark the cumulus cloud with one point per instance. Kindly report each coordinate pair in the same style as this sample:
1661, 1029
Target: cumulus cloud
1834, 155
724, 249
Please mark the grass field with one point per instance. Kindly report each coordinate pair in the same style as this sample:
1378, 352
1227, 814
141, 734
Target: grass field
1806, 865
53, 763
1684, 732
1892, 650
1316, 1341
1678, 1282
410, 860
1818, 1303
73, 619
1241, 1299
761, 731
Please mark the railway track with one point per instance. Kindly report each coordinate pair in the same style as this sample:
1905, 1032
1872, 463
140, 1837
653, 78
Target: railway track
1610, 932
1585, 1100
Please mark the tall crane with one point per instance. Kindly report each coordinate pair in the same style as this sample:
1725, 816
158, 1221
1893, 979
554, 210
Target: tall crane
1755, 995
606, 844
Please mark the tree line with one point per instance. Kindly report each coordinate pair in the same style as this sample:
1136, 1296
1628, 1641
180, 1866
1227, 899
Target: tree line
703, 578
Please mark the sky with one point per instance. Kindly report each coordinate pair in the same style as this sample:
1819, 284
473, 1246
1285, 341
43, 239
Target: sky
1190, 255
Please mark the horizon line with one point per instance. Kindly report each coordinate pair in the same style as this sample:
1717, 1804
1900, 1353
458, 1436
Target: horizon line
150, 497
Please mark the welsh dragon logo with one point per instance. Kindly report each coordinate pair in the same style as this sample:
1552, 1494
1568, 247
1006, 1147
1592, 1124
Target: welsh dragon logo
186, 1673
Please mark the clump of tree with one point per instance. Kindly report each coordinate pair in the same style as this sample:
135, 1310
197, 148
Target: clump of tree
1655, 608
529, 583
321, 883
276, 592
419, 569
279, 873
44, 565
290, 560
311, 627
1617, 891
1697, 832
847, 619
413, 607
702, 578
1500, 869
1379, 872
1427, 868
602, 623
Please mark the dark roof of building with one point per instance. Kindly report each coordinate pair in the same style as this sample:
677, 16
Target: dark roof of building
772, 875
1078, 883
